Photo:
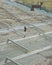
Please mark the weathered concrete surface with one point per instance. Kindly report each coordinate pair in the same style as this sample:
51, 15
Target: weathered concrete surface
10, 18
